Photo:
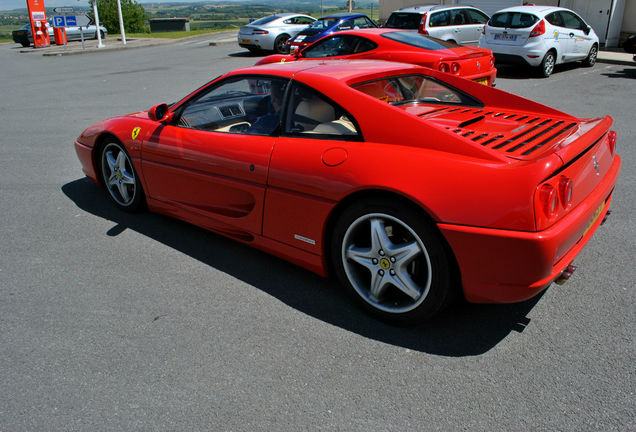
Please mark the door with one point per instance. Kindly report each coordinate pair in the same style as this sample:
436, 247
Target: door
578, 37
213, 161
595, 12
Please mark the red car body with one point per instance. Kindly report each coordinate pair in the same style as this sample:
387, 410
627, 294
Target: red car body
403, 46
512, 189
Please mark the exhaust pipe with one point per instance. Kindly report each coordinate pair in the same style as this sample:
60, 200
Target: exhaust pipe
565, 274
609, 212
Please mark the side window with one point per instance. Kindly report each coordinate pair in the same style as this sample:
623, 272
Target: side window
303, 20
339, 45
363, 22
347, 25
312, 115
476, 17
457, 17
440, 19
555, 19
246, 104
572, 21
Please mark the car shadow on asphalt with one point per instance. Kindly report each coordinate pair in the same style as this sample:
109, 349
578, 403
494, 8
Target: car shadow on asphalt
462, 330
625, 73
526, 72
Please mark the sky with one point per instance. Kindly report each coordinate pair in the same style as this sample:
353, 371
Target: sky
21, 4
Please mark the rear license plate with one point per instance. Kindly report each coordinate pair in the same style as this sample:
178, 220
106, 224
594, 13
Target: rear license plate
483, 81
245, 41
505, 37
597, 213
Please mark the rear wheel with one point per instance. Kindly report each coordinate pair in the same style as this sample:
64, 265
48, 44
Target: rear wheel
590, 60
25, 43
547, 65
280, 44
120, 178
392, 259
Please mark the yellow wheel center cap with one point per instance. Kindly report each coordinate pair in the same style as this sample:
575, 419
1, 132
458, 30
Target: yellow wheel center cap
385, 264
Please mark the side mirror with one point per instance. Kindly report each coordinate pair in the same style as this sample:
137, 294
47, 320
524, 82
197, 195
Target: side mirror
160, 113
587, 29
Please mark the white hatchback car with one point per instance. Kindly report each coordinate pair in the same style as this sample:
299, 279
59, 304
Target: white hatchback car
539, 36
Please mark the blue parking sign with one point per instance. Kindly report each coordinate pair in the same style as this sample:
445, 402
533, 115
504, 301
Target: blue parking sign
58, 21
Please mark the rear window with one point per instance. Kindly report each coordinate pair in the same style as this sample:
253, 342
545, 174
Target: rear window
513, 20
405, 89
264, 20
404, 20
324, 23
419, 40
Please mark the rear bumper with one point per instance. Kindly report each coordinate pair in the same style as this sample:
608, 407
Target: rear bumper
501, 266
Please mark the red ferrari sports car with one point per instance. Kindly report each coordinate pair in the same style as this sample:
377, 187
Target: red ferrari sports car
408, 184
473, 63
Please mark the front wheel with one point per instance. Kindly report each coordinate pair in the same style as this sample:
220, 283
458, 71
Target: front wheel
393, 260
547, 65
120, 178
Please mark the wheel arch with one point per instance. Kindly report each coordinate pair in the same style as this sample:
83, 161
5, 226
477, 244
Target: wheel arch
100, 141
382, 195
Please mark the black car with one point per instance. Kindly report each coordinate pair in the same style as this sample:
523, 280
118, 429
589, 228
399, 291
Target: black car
21, 35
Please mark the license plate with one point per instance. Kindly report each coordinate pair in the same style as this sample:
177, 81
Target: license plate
597, 213
245, 41
483, 81
505, 37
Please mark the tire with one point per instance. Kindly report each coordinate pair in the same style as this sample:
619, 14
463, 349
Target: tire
25, 43
590, 60
280, 44
120, 178
392, 260
547, 64
102, 35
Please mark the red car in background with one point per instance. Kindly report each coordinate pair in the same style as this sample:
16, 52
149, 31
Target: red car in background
408, 184
404, 46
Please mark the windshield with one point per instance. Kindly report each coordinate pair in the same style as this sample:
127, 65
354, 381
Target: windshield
419, 40
404, 20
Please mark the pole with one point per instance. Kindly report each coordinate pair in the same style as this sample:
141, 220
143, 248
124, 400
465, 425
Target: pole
99, 34
121, 23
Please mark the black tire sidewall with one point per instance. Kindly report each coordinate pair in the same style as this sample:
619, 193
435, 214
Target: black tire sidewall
284, 37
440, 290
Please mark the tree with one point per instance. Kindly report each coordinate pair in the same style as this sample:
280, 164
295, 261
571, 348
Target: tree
134, 15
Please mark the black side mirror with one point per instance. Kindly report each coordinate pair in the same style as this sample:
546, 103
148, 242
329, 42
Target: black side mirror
587, 30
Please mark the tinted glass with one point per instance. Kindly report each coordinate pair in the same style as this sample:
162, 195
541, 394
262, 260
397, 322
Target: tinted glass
419, 40
264, 20
439, 19
339, 45
401, 20
477, 17
324, 23
513, 20
572, 21
555, 19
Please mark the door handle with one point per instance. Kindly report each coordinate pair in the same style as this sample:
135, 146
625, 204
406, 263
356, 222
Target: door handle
571, 35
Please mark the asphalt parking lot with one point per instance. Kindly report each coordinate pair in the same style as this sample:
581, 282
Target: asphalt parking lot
112, 321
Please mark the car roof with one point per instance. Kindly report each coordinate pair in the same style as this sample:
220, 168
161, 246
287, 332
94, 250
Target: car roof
537, 10
426, 8
340, 70
343, 15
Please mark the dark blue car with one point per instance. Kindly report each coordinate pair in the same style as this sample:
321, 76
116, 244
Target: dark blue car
327, 25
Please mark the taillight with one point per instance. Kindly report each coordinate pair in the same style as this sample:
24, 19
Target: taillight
566, 186
549, 200
443, 67
611, 140
455, 68
259, 32
538, 30
422, 27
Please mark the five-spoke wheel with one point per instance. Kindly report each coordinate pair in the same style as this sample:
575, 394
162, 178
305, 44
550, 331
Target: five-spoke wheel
392, 259
119, 177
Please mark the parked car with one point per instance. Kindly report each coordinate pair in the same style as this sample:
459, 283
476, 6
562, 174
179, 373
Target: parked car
271, 33
328, 25
630, 45
405, 46
461, 24
541, 37
406, 183
25, 37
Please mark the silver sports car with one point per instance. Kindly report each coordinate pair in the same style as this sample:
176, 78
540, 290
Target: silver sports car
272, 32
